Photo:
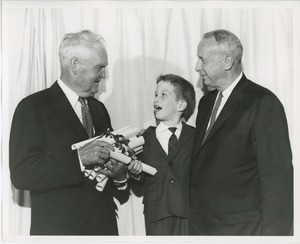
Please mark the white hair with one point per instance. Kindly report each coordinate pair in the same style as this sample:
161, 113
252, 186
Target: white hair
229, 41
72, 41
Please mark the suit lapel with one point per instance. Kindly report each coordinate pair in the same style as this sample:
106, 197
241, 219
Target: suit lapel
156, 145
64, 108
100, 119
203, 119
231, 104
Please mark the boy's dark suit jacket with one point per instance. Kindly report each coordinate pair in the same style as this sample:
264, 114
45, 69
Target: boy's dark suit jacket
167, 193
242, 175
63, 201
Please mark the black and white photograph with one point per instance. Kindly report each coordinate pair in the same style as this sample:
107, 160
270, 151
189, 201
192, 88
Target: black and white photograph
150, 121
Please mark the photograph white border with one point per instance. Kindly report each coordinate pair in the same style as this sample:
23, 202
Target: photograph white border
155, 4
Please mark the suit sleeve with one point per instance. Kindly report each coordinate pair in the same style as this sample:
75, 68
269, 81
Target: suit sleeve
275, 167
32, 167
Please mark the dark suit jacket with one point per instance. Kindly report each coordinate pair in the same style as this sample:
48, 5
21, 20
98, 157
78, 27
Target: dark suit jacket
167, 193
63, 201
242, 175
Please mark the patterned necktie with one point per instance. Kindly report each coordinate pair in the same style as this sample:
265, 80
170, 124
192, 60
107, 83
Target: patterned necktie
214, 114
86, 117
172, 141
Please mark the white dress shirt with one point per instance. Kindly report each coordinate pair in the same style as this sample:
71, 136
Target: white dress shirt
72, 98
226, 93
76, 105
163, 134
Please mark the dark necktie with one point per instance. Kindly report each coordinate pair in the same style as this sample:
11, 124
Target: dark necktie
214, 114
86, 117
172, 141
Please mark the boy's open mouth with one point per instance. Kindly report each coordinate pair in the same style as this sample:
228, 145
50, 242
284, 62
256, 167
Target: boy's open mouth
156, 107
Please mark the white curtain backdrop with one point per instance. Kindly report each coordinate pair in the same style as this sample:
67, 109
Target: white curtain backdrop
143, 40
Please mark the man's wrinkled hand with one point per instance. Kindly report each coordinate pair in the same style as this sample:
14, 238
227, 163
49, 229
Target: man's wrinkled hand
95, 152
114, 170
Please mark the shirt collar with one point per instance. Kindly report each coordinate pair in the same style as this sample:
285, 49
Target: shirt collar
70, 94
226, 93
162, 127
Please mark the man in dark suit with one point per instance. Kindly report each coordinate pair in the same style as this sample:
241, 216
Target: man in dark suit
241, 168
45, 125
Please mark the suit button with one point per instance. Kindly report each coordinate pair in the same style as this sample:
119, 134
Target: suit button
172, 181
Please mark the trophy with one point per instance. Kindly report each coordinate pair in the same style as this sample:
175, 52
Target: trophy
127, 145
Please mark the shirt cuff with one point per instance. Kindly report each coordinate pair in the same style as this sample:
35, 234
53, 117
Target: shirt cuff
82, 167
135, 177
121, 184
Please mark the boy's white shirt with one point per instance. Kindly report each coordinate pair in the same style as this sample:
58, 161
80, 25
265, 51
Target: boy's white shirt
163, 134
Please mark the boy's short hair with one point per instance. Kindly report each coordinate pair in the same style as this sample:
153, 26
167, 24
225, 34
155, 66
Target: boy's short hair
183, 90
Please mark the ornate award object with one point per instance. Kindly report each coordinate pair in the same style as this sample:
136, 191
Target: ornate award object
127, 145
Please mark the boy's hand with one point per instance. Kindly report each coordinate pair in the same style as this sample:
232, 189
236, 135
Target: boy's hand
135, 167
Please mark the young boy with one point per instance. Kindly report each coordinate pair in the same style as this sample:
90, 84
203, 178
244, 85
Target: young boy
166, 195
